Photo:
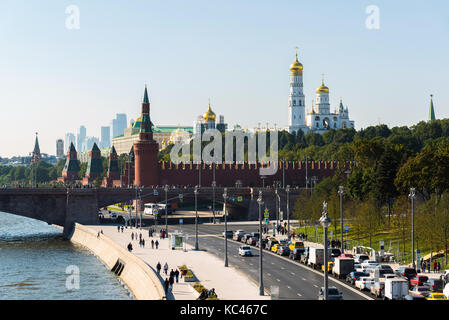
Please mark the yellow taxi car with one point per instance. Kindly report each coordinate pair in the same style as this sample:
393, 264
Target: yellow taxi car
436, 296
275, 248
296, 244
330, 265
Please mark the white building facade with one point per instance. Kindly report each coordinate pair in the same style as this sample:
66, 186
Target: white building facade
320, 118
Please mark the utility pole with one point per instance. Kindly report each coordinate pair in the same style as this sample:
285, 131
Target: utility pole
166, 210
196, 217
341, 191
225, 196
260, 202
325, 222
411, 196
214, 184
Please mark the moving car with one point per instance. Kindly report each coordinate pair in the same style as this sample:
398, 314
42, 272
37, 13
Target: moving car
369, 264
436, 285
283, 251
420, 291
295, 254
418, 280
364, 283
330, 265
386, 268
228, 234
245, 237
377, 289
271, 242
412, 297
332, 294
359, 258
405, 272
354, 276
245, 251
296, 245
252, 241
436, 296
238, 234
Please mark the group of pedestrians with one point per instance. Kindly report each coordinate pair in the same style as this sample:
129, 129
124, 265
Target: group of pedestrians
120, 228
174, 276
427, 265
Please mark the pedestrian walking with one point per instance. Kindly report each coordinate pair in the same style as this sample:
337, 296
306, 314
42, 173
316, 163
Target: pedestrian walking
171, 280
118, 228
140, 236
157, 244
176, 275
428, 266
132, 236
130, 247
152, 244
143, 243
438, 267
166, 284
165, 268
172, 273
435, 265
158, 267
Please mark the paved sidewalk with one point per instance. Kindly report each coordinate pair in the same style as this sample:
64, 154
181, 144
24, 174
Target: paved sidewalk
229, 283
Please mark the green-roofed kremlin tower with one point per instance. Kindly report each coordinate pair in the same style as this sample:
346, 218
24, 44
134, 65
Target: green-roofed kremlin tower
94, 165
71, 167
432, 110
36, 154
146, 150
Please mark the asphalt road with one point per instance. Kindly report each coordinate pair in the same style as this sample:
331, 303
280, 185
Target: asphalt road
294, 280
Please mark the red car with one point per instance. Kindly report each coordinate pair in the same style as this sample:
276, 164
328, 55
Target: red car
418, 280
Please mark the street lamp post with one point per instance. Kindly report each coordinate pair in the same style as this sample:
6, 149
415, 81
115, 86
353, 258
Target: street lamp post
140, 205
325, 222
412, 197
166, 210
196, 217
288, 210
214, 184
225, 196
341, 191
136, 207
260, 202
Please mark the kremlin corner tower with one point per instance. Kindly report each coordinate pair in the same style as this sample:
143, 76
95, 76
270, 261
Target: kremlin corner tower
146, 150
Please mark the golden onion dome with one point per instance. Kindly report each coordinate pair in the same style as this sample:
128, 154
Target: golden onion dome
209, 115
296, 67
322, 89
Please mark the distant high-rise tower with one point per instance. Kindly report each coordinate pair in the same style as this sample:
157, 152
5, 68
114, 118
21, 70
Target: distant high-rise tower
36, 154
59, 148
69, 138
80, 138
105, 137
432, 110
119, 125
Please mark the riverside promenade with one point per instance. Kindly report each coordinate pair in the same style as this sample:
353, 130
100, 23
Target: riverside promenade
229, 284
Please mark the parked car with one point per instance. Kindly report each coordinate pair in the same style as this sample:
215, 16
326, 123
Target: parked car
245, 251
436, 285
238, 234
436, 296
264, 242
354, 276
364, 283
283, 251
420, 291
228, 233
332, 294
271, 243
359, 258
283, 242
414, 297
418, 280
405, 272
377, 289
255, 234
296, 253
252, 241
245, 237
275, 247
296, 245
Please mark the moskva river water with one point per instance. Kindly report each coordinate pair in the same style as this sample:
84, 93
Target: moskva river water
36, 263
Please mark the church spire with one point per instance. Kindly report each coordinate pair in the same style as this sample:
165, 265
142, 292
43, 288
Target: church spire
36, 154
431, 111
145, 95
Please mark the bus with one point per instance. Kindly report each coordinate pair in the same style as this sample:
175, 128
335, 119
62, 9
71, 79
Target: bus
150, 208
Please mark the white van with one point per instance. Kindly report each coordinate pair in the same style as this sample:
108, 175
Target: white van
151, 209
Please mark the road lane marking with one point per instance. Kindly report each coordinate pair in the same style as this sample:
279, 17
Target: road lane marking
304, 279
299, 294
315, 286
269, 274
292, 273
278, 280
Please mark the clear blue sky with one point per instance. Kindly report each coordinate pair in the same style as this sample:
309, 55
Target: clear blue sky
236, 52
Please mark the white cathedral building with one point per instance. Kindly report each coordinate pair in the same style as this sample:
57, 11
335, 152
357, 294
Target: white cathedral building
319, 119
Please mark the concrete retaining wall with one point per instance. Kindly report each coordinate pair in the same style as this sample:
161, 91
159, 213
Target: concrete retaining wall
141, 280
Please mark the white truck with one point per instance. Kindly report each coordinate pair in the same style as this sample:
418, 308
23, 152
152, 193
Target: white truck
342, 267
316, 257
395, 289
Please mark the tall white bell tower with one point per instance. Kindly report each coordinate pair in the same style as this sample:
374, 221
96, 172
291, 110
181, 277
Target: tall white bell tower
296, 104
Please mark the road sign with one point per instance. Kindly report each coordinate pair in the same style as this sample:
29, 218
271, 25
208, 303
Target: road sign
282, 215
181, 221
181, 196
187, 236
266, 213
155, 212
155, 192
316, 223
346, 228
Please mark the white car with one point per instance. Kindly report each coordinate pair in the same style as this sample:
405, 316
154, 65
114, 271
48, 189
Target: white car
364, 283
446, 290
369, 264
245, 251
359, 258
